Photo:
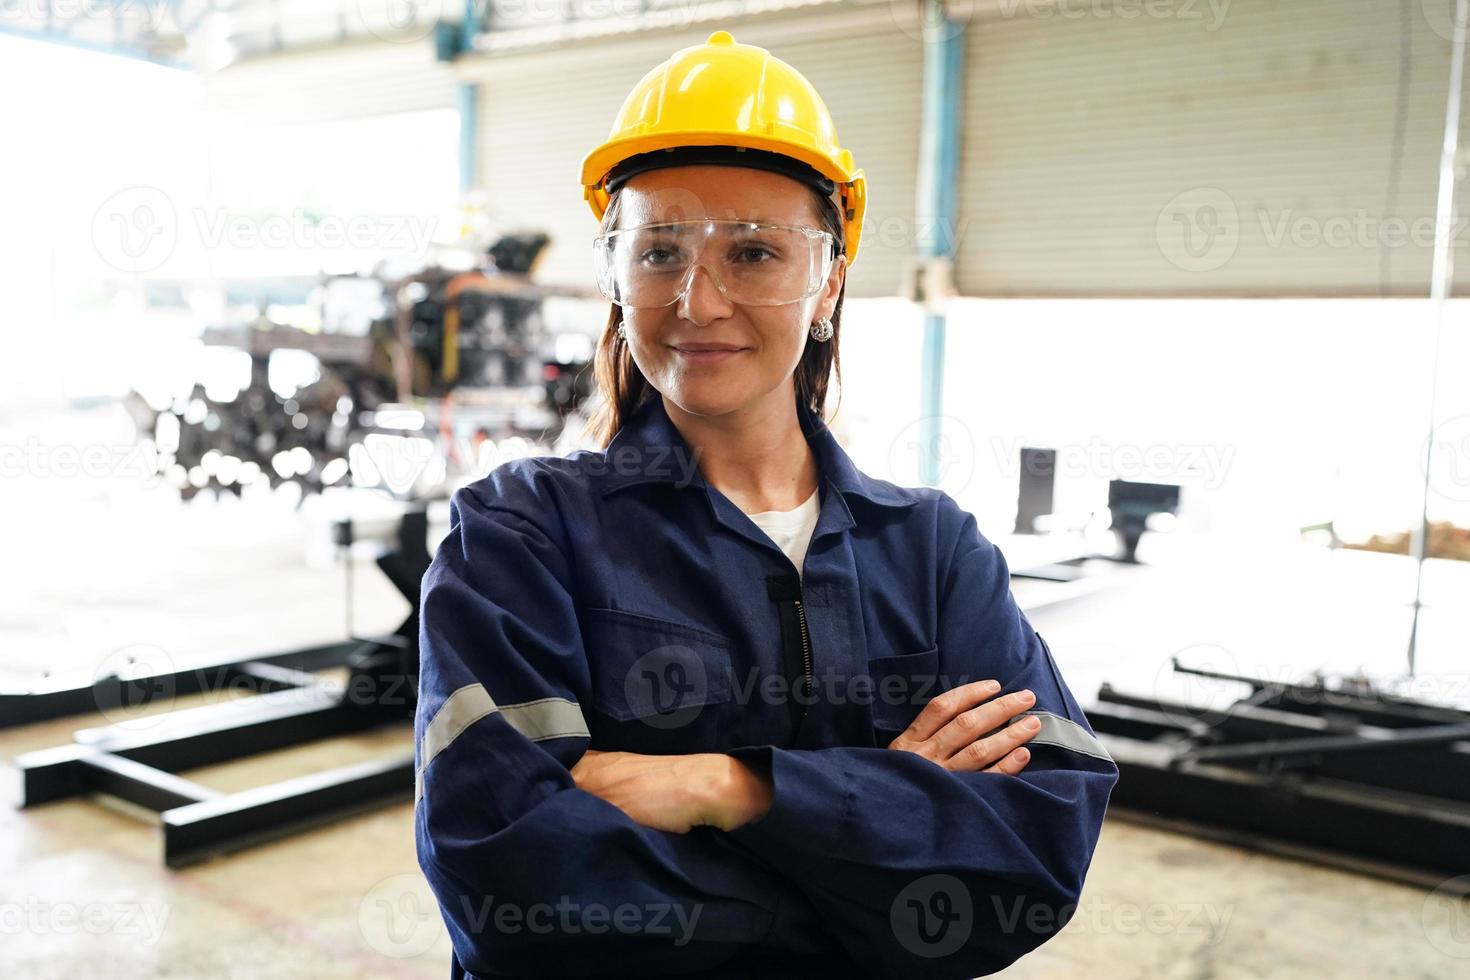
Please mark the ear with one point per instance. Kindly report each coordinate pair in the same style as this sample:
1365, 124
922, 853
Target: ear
827, 298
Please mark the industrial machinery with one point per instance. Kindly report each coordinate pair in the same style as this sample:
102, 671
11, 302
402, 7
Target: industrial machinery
1336, 770
444, 356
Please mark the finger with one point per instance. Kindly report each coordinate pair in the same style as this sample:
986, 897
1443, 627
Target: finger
943, 708
1013, 763
970, 726
984, 751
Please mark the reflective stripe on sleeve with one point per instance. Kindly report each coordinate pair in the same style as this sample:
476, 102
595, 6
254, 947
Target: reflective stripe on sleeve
1064, 733
538, 720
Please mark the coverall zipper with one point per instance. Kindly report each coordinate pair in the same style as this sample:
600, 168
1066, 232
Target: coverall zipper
806, 655
796, 643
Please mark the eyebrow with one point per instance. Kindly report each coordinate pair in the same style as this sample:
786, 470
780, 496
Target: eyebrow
734, 226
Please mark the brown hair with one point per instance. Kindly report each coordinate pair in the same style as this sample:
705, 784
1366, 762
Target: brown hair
623, 387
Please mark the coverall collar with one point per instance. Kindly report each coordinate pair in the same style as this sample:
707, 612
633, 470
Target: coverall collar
650, 449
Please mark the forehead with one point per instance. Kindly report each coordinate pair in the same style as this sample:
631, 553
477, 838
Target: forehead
706, 191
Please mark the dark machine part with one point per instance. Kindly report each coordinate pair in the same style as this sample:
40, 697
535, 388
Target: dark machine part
567, 385
294, 705
497, 341
1131, 504
1038, 483
482, 328
517, 254
1339, 773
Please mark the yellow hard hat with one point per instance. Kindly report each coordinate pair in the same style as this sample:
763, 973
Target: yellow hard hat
745, 107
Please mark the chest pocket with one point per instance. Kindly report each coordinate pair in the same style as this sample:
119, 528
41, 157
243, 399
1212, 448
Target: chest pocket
899, 688
653, 670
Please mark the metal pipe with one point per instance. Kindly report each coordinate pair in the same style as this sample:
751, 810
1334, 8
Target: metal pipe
1439, 289
938, 165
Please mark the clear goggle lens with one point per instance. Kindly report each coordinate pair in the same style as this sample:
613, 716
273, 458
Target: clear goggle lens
751, 263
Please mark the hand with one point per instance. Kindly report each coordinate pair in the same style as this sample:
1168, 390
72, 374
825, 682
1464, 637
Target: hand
948, 732
676, 792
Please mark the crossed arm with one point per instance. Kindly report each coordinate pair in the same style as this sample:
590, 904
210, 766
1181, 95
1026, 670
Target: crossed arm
960, 731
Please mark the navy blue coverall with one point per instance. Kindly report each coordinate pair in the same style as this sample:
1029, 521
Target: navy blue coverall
615, 600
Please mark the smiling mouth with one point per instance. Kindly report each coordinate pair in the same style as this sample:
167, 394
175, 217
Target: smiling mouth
708, 355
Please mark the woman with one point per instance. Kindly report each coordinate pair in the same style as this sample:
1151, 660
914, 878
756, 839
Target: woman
710, 701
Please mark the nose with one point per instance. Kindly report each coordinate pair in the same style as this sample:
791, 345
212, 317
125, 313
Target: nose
700, 300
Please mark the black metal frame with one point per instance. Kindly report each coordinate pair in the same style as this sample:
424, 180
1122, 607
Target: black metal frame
1346, 775
61, 697
296, 706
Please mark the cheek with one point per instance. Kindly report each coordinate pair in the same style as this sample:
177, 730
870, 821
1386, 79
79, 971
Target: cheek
643, 335
793, 345
782, 342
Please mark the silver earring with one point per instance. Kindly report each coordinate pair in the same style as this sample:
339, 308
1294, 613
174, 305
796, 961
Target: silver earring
623, 332
822, 329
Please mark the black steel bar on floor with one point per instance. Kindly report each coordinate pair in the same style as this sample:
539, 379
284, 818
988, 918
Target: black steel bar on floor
1384, 740
1425, 835
290, 705
194, 737
140, 784
58, 697
217, 826
1386, 709
199, 822
1439, 768
1285, 766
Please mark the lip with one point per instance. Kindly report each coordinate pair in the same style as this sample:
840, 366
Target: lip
708, 356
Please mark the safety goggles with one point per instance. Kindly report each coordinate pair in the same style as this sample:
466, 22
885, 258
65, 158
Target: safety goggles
751, 263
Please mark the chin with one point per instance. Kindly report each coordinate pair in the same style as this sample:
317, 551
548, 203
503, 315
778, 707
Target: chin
707, 400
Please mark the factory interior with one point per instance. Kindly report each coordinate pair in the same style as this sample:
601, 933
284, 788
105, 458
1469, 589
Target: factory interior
292, 291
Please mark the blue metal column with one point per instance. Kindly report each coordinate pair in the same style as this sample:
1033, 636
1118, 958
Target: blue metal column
944, 49
468, 102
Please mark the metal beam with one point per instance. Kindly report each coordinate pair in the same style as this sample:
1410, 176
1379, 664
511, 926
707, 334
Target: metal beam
202, 830
1361, 740
140, 784
117, 50
76, 694
1421, 838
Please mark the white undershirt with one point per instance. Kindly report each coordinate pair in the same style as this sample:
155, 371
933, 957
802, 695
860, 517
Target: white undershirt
791, 529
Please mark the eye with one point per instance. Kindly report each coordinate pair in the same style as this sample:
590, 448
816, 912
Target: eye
656, 257
755, 254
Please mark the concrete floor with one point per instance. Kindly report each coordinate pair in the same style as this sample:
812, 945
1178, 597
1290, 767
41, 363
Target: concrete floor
83, 891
